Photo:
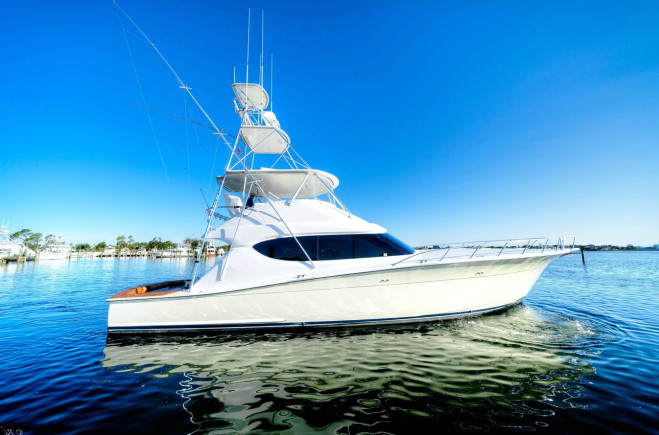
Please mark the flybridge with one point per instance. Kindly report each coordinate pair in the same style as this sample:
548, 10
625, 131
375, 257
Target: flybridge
289, 176
278, 185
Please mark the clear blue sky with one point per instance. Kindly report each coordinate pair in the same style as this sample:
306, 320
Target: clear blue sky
444, 121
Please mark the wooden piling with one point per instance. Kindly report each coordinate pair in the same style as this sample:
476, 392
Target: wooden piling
583, 259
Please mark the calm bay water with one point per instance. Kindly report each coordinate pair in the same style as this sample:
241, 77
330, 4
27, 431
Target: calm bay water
580, 354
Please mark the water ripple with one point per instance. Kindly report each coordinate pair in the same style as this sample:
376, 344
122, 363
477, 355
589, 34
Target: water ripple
582, 340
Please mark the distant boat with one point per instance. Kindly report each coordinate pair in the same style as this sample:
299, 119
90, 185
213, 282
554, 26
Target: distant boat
210, 250
109, 251
181, 251
57, 251
8, 247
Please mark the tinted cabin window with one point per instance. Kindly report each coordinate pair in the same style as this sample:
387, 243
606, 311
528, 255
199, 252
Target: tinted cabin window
379, 245
288, 249
335, 247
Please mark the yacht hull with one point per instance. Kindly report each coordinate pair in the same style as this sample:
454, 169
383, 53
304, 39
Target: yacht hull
417, 293
47, 256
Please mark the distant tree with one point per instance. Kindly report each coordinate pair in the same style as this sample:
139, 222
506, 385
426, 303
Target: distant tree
192, 242
154, 243
22, 235
34, 241
82, 247
49, 241
121, 242
101, 246
166, 245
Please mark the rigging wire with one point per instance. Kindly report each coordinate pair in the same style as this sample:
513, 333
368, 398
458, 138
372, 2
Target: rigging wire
183, 118
162, 57
187, 141
139, 84
210, 181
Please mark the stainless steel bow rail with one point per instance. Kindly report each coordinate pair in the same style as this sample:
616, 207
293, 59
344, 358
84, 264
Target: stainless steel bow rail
494, 248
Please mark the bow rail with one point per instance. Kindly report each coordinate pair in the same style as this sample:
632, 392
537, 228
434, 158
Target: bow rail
487, 248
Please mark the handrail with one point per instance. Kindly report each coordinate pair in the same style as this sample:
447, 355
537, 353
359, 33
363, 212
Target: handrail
421, 253
520, 246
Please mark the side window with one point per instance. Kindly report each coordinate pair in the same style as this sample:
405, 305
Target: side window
396, 246
310, 244
339, 247
367, 246
335, 247
288, 249
379, 245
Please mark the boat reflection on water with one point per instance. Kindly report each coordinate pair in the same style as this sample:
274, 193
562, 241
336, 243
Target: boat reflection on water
514, 369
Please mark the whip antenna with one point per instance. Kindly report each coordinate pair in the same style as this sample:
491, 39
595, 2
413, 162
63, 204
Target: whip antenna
261, 69
249, 11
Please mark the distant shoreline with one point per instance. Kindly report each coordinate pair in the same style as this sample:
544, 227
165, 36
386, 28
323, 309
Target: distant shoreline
619, 248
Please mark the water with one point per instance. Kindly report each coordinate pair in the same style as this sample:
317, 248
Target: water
578, 355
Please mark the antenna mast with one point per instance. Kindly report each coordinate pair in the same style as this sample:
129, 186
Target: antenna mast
249, 11
261, 70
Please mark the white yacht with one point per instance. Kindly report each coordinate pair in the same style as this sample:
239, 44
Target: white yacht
8, 247
210, 250
58, 250
109, 251
181, 251
299, 258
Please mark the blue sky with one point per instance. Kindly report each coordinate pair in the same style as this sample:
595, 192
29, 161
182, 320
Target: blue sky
444, 121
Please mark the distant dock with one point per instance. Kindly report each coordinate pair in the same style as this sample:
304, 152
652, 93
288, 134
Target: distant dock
16, 259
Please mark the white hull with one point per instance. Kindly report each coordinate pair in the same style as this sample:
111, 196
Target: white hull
393, 295
45, 256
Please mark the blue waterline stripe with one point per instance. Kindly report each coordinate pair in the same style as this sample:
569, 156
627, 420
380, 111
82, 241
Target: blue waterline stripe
226, 326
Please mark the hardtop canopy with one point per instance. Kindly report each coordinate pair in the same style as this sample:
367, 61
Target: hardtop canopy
283, 183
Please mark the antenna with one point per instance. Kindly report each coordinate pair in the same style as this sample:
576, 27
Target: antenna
248, 21
261, 70
272, 91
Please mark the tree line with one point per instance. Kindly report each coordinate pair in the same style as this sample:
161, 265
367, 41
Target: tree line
130, 243
32, 240
37, 242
